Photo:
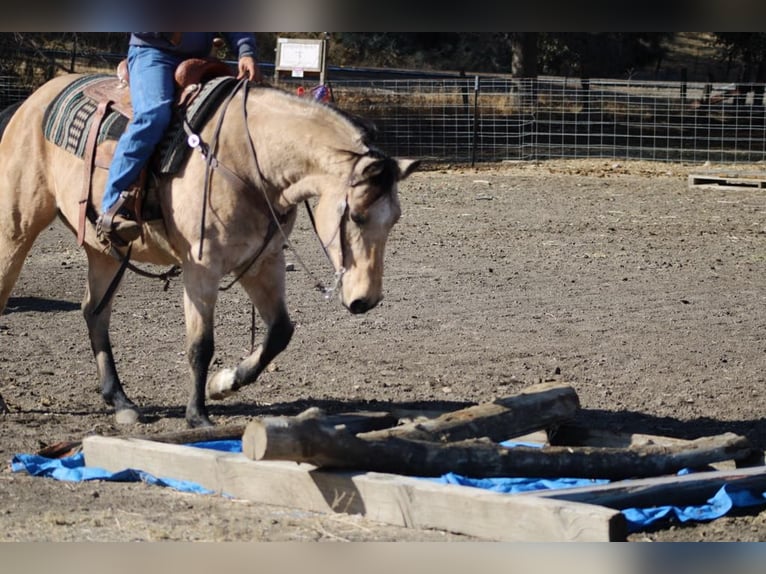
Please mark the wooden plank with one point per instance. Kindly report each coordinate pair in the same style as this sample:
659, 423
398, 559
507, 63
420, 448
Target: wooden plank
727, 181
752, 175
393, 499
678, 490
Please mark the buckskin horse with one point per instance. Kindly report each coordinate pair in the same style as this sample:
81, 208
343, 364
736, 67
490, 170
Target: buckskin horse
228, 208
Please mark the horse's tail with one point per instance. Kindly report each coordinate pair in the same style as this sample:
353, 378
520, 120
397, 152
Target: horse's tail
6, 114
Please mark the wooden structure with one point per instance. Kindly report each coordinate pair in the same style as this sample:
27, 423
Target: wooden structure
361, 464
393, 499
728, 180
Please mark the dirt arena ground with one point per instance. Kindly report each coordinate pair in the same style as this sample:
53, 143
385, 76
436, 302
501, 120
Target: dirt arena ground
646, 295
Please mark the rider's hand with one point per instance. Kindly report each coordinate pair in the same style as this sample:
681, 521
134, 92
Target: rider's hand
248, 68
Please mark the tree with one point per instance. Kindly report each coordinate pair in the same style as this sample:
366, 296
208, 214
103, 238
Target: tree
747, 50
600, 54
524, 54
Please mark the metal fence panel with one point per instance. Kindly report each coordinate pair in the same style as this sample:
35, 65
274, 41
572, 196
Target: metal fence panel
498, 119
491, 119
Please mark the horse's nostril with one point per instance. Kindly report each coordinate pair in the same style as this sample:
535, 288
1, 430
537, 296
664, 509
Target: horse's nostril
359, 306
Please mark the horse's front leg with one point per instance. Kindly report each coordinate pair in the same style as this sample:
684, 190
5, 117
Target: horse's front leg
200, 296
266, 290
101, 271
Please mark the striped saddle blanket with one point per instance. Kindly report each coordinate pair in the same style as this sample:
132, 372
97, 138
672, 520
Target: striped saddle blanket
68, 119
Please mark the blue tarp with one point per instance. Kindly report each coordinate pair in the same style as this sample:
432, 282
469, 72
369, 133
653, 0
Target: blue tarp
73, 469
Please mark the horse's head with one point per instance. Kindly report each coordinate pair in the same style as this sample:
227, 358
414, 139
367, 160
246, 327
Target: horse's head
353, 218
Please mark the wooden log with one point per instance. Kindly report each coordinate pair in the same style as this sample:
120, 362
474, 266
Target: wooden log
61, 449
353, 422
536, 407
306, 439
188, 436
577, 435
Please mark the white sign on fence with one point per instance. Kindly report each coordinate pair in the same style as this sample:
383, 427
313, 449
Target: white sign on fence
300, 55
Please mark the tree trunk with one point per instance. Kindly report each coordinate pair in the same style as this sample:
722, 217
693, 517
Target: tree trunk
524, 54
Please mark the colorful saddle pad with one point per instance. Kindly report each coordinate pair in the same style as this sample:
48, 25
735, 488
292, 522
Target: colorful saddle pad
69, 117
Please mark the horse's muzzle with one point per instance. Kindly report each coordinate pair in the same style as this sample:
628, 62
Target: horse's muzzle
358, 306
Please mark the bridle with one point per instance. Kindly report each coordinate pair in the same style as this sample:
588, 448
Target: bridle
277, 221
341, 270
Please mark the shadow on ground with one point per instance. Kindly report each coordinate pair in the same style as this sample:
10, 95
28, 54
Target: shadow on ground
38, 304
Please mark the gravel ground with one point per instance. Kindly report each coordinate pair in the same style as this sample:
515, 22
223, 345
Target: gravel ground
647, 296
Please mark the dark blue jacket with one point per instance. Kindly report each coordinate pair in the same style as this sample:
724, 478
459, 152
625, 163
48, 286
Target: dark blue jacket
195, 44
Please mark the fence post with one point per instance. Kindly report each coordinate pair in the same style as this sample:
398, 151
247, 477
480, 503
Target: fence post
475, 118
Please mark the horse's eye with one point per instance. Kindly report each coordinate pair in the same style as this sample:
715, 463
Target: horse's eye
358, 218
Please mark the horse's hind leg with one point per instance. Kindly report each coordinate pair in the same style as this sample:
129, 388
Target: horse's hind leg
266, 291
18, 232
101, 270
12, 255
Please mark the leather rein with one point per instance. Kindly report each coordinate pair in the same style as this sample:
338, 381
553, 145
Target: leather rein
211, 163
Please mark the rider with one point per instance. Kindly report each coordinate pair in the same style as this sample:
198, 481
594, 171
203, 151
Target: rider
152, 60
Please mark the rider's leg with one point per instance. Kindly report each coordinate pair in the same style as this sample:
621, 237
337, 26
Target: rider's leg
152, 91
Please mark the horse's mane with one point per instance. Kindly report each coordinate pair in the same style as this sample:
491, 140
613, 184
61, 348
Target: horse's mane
366, 126
366, 129
6, 114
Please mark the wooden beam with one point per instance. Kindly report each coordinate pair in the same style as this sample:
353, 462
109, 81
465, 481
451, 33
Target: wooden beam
683, 490
392, 499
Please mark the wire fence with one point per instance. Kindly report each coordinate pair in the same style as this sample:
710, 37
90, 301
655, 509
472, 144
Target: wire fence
491, 119
11, 91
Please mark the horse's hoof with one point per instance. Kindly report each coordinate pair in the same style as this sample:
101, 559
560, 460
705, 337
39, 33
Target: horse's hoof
220, 386
199, 422
126, 417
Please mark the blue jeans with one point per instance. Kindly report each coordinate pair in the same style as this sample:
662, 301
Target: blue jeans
152, 90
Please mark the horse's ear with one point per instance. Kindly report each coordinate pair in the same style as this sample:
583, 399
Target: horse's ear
406, 167
366, 167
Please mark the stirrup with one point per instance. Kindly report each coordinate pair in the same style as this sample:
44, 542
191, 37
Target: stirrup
116, 229
119, 232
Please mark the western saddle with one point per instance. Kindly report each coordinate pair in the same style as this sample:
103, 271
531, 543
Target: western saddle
113, 93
